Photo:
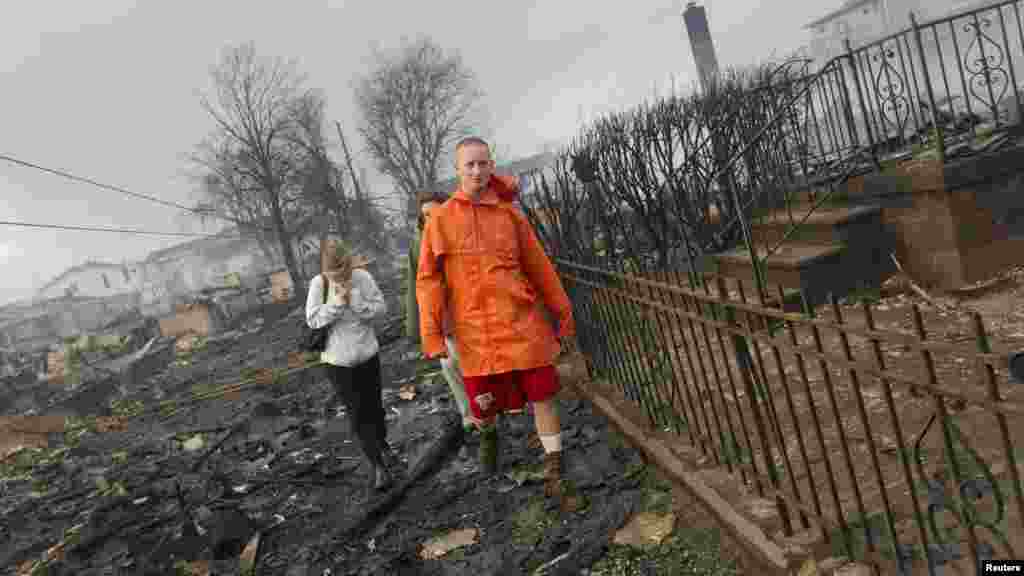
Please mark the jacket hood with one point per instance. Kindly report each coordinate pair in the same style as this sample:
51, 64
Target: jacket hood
506, 186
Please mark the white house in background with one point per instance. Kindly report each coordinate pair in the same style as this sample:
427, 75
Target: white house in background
84, 298
42, 322
168, 276
947, 52
92, 280
864, 21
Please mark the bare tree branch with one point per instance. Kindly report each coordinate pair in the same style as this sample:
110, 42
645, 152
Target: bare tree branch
250, 159
414, 107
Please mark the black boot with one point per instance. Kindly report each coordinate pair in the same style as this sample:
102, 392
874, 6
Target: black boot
390, 461
554, 485
489, 451
381, 477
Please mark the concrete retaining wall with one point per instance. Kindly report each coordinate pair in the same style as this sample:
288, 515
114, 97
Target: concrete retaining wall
759, 554
952, 225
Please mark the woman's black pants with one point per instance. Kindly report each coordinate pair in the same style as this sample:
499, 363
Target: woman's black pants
359, 388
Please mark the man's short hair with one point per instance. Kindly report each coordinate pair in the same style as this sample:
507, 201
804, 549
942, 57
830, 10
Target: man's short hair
471, 140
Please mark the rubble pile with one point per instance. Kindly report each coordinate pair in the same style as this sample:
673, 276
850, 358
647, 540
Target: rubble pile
164, 472
126, 490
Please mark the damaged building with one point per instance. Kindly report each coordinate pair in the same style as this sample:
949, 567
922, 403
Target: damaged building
38, 325
196, 287
171, 277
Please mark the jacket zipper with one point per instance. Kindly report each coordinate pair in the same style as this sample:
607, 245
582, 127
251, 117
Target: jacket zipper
479, 249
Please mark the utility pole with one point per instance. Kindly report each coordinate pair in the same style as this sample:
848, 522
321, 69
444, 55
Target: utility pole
348, 161
701, 46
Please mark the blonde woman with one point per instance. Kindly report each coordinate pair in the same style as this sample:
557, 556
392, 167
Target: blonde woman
351, 352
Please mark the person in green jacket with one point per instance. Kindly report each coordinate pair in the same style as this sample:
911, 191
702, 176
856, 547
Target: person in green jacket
450, 365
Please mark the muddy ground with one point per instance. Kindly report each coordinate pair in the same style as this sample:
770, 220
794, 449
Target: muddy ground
149, 487
142, 484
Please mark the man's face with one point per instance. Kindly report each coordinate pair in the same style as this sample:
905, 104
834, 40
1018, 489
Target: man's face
474, 167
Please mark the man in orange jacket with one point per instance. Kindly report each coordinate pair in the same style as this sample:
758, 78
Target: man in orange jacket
481, 262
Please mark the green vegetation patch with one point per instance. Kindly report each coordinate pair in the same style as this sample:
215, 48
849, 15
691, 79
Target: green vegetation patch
687, 551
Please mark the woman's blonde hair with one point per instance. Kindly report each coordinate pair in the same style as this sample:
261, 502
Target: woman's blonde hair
335, 255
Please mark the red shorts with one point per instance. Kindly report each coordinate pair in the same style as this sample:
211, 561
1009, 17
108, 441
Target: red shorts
509, 391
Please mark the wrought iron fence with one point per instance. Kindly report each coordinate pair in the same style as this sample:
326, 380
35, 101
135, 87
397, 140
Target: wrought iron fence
956, 77
896, 443
950, 85
681, 178
947, 87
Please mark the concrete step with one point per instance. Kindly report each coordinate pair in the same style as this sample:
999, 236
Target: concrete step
816, 269
860, 188
825, 225
787, 267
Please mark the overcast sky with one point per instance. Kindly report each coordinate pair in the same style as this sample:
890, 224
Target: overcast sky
109, 89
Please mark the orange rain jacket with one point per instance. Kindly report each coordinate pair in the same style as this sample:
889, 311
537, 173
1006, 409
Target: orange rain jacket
484, 260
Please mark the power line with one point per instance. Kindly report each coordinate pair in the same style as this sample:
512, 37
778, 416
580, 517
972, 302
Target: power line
117, 230
125, 191
92, 182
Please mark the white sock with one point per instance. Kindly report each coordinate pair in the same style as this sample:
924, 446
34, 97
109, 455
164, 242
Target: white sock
551, 443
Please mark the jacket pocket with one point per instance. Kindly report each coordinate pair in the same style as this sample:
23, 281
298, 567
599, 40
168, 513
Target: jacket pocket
521, 300
520, 288
504, 239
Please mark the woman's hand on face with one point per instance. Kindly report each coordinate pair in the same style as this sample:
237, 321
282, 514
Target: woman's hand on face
341, 287
343, 293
